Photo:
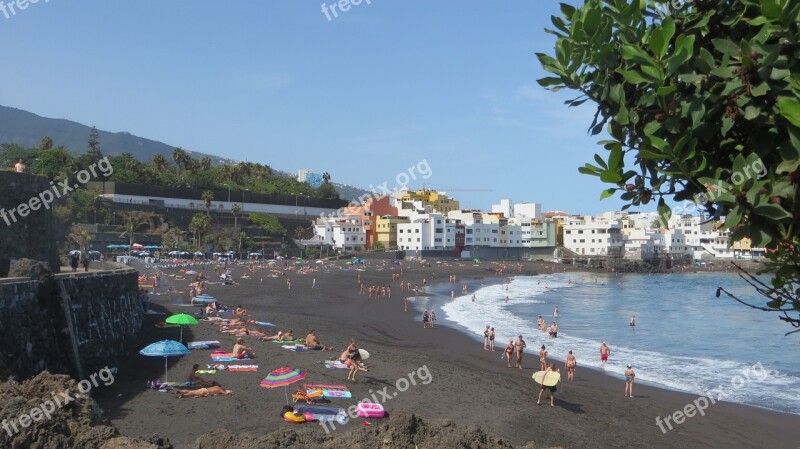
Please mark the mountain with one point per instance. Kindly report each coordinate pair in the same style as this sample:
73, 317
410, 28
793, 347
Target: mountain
27, 129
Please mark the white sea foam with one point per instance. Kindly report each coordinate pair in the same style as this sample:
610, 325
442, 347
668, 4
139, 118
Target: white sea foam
737, 381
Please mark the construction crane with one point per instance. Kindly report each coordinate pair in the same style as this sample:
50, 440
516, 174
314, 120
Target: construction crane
454, 189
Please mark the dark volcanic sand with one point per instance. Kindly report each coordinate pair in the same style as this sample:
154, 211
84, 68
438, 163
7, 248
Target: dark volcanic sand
469, 385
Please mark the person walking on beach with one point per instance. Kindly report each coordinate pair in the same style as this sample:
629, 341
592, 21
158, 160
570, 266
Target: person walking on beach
629, 377
425, 318
491, 339
519, 346
570, 365
507, 353
604, 353
432, 318
486, 338
543, 358
551, 389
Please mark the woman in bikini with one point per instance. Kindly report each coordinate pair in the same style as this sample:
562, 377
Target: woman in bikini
203, 392
543, 358
508, 351
518, 348
491, 339
353, 360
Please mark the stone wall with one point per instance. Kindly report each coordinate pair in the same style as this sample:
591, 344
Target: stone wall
73, 324
31, 236
105, 314
31, 337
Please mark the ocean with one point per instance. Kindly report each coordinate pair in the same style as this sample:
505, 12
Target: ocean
685, 338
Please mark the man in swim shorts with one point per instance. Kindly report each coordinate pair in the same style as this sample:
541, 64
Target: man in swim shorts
570, 365
604, 352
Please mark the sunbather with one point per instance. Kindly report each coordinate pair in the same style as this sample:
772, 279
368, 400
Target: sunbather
241, 351
280, 336
193, 380
240, 311
313, 343
203, 392
235, 330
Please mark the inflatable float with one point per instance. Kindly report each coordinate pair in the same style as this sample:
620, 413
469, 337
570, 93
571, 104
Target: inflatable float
370, 410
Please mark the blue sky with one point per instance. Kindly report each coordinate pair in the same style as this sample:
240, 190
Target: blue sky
363, 96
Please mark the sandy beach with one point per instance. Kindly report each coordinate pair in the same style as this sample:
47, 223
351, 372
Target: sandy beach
449, 374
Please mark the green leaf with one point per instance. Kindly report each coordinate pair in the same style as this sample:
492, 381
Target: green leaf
666, 90
734, 218
610, 177
705, 61
664, 211
770, 9
751, 112
790, 110
773, 211
788, 167
600, 161
607, 193
549, 81
760, 90
633, 77
657, 43
567, 10
727, 124
636, 54
726, 47
615, 157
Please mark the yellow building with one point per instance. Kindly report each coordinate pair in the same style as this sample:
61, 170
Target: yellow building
437, 202
744, 244
386, 228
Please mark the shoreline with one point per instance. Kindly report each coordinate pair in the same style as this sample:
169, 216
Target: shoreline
468, 386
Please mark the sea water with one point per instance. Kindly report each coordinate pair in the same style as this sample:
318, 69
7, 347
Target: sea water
685, 338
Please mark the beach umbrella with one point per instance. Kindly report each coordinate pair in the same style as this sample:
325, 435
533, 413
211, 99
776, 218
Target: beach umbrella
182, 319
165, 348
282, 377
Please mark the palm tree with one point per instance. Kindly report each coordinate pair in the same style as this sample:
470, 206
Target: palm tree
80, 236
160, 162
199, 227
132, 221
205, 163
46, 143
235, 209
207, 197
173, 237
326, 177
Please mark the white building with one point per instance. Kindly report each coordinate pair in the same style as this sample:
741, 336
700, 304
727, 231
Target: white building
510, 209
589, 236
427, 232
537, 234
307, 175
344, 233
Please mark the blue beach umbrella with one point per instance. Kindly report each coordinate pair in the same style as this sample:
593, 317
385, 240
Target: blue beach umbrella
165, 348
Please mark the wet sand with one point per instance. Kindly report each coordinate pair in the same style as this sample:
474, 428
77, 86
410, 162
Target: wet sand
466, 383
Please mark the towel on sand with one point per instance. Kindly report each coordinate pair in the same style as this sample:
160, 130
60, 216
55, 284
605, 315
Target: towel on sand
335, 364
202, 344
242, 368
295, 348
225, 357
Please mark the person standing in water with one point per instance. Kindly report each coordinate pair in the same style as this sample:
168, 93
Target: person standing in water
555, 313
633, 320
570, 365
629, 377
604, 352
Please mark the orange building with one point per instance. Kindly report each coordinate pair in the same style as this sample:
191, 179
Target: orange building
372, 208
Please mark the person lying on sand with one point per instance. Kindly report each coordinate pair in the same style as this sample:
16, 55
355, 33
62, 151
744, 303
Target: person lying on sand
313, 343
240, 311
280, 336
235, 330
203, 392
241, 351
193, 380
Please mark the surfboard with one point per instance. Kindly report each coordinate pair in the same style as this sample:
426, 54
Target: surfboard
550, 380
364, 354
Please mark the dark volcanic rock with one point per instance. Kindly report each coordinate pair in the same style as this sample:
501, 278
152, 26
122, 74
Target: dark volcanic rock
31, 269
